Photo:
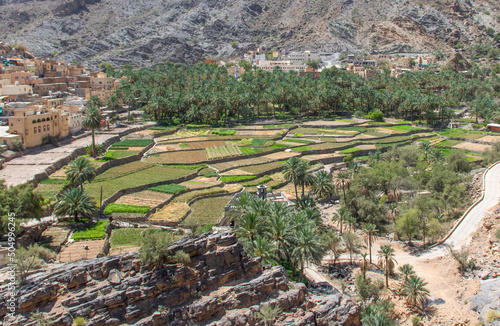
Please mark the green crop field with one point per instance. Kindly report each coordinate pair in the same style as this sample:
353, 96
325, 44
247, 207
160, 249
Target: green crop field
133, 179
207, 211
171, 188
134, 142
235, 178
93, 232
126, 237
121, 208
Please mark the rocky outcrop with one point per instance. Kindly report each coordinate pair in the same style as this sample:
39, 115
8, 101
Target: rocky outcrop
148, 32
221, 285
458, 63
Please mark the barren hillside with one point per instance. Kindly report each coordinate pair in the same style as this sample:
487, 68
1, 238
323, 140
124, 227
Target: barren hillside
144, 32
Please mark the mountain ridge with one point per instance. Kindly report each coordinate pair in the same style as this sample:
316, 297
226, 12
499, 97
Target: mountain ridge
149, 32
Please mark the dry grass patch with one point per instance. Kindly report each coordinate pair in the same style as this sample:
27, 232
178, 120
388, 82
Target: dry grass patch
173, 212
473, 147
280, 156
144, 198
490, 139
207, 211
76, 251
200, 182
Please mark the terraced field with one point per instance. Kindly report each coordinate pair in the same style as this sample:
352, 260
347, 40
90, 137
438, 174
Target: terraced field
144, 198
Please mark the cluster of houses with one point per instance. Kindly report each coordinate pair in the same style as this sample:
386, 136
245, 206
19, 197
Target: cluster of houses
298, 61
42, 98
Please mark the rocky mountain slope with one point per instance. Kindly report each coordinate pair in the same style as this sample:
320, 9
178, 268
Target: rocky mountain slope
144, 32
220, 286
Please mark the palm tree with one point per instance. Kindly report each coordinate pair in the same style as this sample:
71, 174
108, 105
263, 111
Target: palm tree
425, 148
415, 291
370, 229
342, 215
407, 271
350, 220
92, 120
387, 261
293, 172
278, 227
75, 202
351, 243
323, 185
334, 242
266, 250
308, 247
306, 177
249, 226
342, 182
79, 171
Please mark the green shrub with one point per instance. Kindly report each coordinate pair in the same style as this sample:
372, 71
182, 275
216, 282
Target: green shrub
171, 188
121, 208
185, 166
98, 150
95, 231
211, 175
181, 257
236, 178
134, 142
79, 321
497, 234
376, 115
154, 249
223, 132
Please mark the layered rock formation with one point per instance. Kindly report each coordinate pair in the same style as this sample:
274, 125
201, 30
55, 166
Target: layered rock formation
221, 285
146, 32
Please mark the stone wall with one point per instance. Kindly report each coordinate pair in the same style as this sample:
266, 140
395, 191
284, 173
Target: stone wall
78, 152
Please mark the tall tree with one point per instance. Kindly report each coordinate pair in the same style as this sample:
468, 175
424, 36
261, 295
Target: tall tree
370, 231
308, 247
80, 171
386, 260
293, 171
92, 120
415, 291
76, 203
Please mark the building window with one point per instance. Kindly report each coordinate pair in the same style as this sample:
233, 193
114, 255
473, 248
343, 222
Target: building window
34, 121
34, 130
39, 120
44, 128
39, 129
55, 124
48, 127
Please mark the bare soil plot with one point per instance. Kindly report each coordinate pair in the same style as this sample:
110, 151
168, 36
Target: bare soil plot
76, 251
178, 157
236, 172
144, 198
205, 144
173, 212
473, 147
280, 156
490, 139
318, 157
54, 236
165, 148
239, 163
388, 131
200, 183
366, 146
163, 140
123, 250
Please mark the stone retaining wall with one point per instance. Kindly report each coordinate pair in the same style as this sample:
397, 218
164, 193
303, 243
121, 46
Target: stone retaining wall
127, 191
79, 152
